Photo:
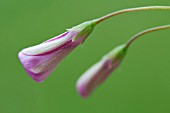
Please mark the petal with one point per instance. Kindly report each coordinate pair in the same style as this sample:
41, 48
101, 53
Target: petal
39, 67
49, 45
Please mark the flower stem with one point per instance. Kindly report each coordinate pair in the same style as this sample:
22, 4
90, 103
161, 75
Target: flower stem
131, 10
129, 42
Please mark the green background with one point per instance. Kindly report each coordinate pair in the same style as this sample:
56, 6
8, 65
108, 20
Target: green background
140, 85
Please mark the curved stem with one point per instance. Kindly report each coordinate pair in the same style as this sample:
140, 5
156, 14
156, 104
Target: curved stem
129, 42
131, 10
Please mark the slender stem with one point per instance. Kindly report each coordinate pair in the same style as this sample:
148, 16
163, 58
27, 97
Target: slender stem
131, 10
129, 42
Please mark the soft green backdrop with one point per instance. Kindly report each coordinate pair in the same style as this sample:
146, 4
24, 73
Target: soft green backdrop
140, 85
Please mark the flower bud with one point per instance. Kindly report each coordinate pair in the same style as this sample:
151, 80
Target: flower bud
40, 60
97, 74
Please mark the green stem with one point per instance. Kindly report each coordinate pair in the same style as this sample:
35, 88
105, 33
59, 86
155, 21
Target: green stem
131, 10
129, 42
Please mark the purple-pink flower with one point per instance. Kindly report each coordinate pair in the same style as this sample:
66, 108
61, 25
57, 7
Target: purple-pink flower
97, 74
40, 60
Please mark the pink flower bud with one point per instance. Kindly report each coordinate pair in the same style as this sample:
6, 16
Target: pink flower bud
40, 60
97, 74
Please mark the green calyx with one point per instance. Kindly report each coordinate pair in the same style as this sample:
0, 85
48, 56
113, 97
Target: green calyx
117, 53
85, 29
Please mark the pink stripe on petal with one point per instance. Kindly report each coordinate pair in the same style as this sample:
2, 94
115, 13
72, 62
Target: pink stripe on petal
47, 47
57, 37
